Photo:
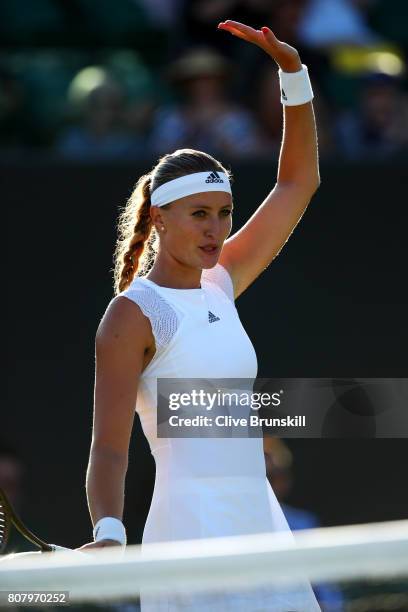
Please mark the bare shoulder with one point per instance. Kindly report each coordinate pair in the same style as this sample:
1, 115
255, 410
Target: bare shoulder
225, 262
124, 323
122, 341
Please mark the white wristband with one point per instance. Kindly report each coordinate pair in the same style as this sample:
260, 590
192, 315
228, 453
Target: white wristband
110, 528
296, 87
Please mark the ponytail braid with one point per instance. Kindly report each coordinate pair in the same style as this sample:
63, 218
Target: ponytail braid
132, 236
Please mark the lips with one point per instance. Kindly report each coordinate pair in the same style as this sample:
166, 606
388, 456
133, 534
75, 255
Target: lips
209, 248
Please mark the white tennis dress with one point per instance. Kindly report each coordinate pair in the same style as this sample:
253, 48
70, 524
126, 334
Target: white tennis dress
206, 487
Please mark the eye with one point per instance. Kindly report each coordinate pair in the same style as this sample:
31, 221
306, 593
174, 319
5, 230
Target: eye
201, 213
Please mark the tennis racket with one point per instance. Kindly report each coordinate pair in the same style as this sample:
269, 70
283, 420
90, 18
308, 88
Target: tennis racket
8, 517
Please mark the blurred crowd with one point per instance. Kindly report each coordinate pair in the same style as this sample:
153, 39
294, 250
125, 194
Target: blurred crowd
139, 78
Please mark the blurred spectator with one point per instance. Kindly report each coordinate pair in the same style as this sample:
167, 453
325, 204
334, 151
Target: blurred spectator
16, 129
221, 94
267, 107
204, 118
285, 18
332, 22
278, 461
103, 131
11, 474
268, 111
201, 17
378, 127
162, 13
389, 19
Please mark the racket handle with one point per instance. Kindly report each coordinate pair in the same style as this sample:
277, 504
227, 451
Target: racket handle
56, 548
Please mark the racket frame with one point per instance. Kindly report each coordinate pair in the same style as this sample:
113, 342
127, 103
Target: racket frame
11, 518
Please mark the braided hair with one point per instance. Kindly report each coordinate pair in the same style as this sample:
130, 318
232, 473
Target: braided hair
137, 242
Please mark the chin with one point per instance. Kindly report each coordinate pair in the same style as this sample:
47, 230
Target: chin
209, 267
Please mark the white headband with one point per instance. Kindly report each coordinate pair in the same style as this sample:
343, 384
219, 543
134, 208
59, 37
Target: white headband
189, 184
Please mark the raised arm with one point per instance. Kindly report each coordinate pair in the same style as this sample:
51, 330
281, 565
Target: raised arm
250, 250
123, 336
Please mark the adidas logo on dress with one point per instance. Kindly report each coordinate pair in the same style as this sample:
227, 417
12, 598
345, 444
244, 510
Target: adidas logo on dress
212, 317
214, 177
284, 95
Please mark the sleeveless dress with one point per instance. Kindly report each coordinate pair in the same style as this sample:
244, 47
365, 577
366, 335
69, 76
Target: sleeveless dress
212, 486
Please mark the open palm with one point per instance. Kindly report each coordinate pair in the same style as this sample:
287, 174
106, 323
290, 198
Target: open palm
284, 55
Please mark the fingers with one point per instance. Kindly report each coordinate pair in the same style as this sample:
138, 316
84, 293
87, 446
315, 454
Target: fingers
100, 544
269, 35
233, 28
234, 24
86, 551
89, 546
237, 27
263, 38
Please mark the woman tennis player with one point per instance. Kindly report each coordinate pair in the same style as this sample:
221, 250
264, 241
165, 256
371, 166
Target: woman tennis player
180, 321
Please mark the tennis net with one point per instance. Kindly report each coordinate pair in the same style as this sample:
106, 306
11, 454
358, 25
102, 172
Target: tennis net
361, 568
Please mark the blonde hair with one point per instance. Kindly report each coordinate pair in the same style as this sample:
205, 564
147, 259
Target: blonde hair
137, 242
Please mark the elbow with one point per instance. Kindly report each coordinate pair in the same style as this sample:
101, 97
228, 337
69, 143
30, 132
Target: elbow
105, 453
316, 185
306, 187
314, 182
312, 186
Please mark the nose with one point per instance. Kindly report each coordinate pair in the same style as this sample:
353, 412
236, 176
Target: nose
212, 228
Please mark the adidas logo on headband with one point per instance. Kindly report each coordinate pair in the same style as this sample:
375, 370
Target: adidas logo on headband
214, 177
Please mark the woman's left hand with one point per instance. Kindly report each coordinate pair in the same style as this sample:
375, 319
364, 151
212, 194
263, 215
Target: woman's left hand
284, 55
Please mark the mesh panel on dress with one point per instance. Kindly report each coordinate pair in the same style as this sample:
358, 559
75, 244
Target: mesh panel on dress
162, 316
220, 277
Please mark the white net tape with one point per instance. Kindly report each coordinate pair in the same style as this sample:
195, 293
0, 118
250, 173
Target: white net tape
376, 550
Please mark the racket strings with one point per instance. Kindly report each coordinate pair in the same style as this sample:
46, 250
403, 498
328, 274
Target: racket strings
4, 524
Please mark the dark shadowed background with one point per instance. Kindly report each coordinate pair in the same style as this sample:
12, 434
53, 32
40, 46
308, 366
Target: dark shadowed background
333, 304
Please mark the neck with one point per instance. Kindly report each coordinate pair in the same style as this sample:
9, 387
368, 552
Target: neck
175, 275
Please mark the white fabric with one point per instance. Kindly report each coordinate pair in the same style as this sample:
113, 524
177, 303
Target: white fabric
219, 277
110, 528
208, 487
296, 87
163, 318
198, 182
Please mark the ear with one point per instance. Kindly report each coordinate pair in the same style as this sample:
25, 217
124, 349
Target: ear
157, 217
